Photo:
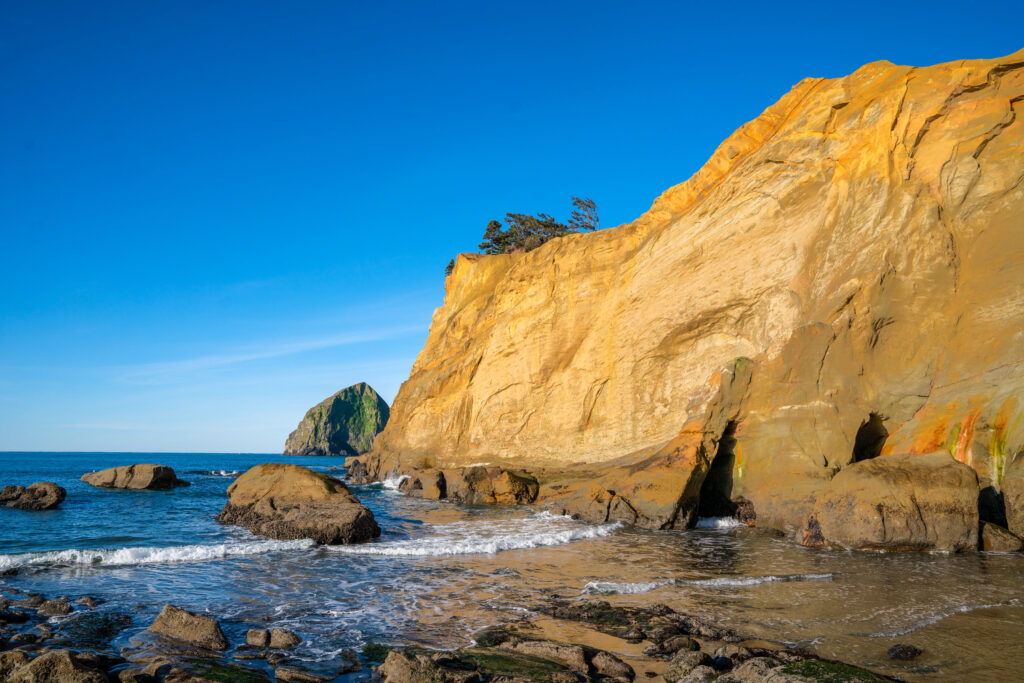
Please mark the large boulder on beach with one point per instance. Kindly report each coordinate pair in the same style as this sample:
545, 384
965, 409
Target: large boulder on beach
190, 628
343, 424
136, 477
44, 495
292, 502
898, 502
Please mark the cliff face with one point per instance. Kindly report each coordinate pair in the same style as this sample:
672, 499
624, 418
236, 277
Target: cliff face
343, 424
843, 279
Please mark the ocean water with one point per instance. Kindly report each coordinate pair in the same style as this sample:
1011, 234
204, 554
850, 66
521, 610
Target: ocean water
442, 571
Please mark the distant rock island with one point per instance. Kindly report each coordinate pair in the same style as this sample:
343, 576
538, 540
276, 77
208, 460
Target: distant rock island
343, 424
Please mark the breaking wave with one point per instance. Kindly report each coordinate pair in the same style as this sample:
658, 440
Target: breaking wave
718, 523
118, 557
392, 483
611, 587
216, 473
474, 538
939, 616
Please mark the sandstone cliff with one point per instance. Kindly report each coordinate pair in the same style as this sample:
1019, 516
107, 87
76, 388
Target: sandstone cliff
843, 280
343, 424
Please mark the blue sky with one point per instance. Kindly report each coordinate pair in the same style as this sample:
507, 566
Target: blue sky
215, 214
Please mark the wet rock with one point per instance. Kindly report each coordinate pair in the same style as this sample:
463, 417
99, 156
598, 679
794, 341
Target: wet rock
257, 637
721, 663
996, 539
290, 674
12, 617
671, 645
1013, 495
55, 608
415, 667
754, 670
700, 674
899, 502
282, 639
904, 652
572, 656
430, 485
57, 665
737, 653
32, 601
611, 667
24, 638
10, 662
683, 663
92, 629
44, 495
88, 601
190, 628
135, 477
349, 662
292, 502
490, 485
135, 676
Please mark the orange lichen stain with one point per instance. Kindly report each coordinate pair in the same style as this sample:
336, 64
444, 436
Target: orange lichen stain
739, 459
934, 426
962, 450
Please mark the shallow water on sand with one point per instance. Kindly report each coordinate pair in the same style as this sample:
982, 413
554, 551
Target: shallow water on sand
442, 571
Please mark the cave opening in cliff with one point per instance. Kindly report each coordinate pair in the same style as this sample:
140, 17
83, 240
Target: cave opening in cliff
870, 438
716, 491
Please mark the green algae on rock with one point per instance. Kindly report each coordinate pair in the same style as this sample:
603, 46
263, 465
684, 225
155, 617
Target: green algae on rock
343, 424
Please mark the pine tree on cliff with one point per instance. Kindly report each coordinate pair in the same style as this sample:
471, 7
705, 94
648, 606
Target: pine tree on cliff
525, 232
449, 268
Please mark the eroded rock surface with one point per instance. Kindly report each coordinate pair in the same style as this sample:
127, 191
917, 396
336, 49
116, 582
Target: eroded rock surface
44, 495
190, 628
136, 477
813, 297
292, 502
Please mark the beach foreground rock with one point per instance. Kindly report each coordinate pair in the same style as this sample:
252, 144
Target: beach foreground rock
44, 495
292, 502
136, 477
190, 628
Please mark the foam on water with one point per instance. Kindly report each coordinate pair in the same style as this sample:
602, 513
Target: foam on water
114, 557
718, 523
470, 538
392, 483
939, 616
611, 587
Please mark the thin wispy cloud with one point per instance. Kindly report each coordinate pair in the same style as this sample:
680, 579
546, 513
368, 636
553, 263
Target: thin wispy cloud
168, 369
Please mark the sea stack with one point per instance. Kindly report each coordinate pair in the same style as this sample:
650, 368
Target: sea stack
841, 281
343, 424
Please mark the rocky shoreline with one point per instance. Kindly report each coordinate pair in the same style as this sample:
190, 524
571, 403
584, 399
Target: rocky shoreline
78, 641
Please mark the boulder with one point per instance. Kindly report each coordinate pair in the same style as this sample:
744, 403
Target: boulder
136, 477
257, 637
57, 665
343, 424
1013, 495
283, 639
10, 662
55, 608
904, 652
44, 495
684, 663
292, 502
996, 539
898, 502
190, 628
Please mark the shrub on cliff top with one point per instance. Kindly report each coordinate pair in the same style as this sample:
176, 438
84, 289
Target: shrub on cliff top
523, 232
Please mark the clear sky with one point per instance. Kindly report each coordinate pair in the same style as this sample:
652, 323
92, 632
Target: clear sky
215, 214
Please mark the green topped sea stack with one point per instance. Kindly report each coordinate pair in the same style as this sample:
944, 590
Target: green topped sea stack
343, 424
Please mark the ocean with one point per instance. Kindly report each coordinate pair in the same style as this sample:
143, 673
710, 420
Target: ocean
441, 572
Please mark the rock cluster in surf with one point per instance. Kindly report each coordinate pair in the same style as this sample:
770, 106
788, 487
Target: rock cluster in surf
44, 495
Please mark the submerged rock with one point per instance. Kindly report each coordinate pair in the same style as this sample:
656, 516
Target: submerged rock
898, 502
190, 628
904, 652
344, 424
136, 477
996, 539
44, 495
292, 502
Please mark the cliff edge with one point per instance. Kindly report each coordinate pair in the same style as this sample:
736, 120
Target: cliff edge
842, 281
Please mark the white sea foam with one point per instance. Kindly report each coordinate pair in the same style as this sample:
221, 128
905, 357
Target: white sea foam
392, 483
612, 587
939, 616
469, 538
112, 557
718, 523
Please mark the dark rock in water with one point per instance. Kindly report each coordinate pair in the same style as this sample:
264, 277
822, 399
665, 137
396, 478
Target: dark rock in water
55, 608
996, 539
58, 665
190, 628
292, 502
136, 477
721, 663
44, 495
344, 424
92, 629
904, 652
12, 617
88, 601
289, 674
283, 639
257, 637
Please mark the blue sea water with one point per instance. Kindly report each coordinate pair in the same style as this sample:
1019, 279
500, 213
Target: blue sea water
441, 571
